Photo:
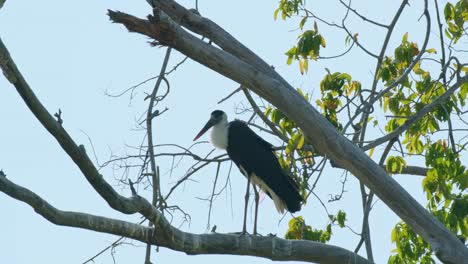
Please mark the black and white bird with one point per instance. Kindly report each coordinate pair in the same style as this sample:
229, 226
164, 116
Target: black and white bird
256, 160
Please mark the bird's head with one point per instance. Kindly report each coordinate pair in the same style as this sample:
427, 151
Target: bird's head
218, 117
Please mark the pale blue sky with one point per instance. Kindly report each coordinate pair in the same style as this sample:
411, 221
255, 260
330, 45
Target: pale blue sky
71, 55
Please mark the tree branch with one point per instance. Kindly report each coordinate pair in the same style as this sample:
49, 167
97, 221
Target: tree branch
74, 219
76, 153
366, 107
157, 197
362, 16
317, 129
414, 170
259, 112
168, 236
209, 29
426, 109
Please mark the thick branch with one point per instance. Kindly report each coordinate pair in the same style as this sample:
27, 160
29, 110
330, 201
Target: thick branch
167, 236
74, 219
414, 170
76, 153
164, 233
317, 129
207, 28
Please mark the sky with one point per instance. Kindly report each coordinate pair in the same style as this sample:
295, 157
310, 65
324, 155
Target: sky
73, 58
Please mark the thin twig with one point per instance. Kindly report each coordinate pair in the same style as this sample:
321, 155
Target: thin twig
157, 197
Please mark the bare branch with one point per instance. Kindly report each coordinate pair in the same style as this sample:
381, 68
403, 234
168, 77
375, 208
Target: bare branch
229, 95
76, 153
323, 136
209, 29
415, 60
368, 106
157, 197
426, 109
259, 112
168, 236
363, 17
414, 170
75, 219
213, 194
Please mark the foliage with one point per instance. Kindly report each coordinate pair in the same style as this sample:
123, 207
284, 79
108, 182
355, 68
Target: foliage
288, 8
298, 229
409, 85
336, 87
456, 16
308, 47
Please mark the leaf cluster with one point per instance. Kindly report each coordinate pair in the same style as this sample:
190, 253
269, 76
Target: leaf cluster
298, 229
408, 86
456, 16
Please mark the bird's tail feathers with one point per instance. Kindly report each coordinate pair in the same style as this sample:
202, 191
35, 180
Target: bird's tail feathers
290, 194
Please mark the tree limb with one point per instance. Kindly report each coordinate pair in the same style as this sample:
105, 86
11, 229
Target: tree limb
164, 234
74, 219
426, 109
259, 112
209, 29
317, 129
414, 170
168, 236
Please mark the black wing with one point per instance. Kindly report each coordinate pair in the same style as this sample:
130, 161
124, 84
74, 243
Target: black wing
256, 155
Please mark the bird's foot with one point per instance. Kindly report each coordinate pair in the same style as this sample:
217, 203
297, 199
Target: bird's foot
271, 235
255, 233
241, 233
213, 229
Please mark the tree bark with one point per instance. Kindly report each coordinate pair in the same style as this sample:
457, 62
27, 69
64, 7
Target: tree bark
269, 85
163, 234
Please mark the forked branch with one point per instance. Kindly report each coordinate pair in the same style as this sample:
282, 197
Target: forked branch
322, 135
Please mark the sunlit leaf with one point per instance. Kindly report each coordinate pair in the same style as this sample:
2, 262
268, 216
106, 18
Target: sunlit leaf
371, 152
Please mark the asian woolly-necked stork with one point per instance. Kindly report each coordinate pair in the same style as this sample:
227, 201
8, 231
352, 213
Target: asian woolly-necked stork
256, 160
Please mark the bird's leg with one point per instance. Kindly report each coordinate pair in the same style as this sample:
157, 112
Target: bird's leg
257, 198
244, 229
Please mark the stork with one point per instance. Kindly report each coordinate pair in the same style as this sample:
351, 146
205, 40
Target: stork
256, 160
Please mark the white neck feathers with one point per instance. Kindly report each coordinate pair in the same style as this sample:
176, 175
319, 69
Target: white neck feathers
219, 134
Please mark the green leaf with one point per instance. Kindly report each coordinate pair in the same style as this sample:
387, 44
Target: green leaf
394, 235
322, 41
405, 37
301, 141
276, 116
268, 111
275, 14
347, 40
303, 66
341, 218
371, 152
462, 94
395, 164
303, 21
295, 142
431, 50
449, 12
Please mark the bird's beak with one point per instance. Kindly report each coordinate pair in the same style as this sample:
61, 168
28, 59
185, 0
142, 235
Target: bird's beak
207, 126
